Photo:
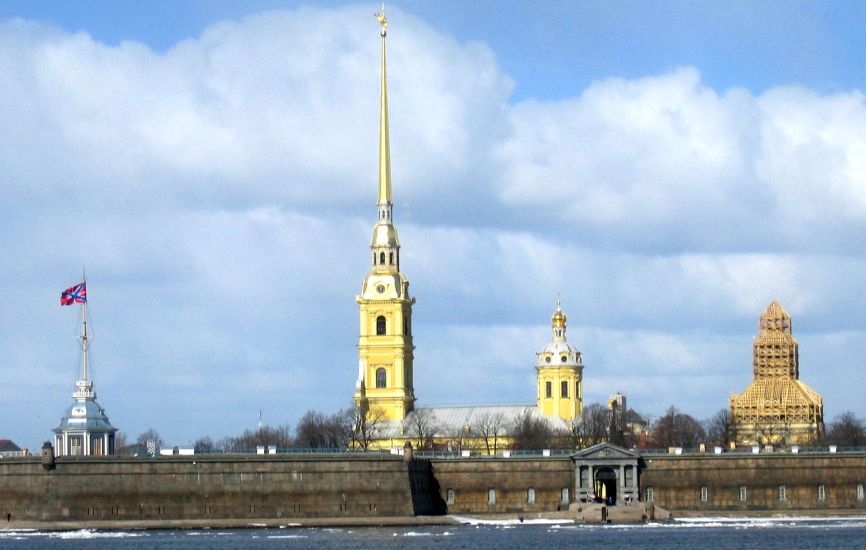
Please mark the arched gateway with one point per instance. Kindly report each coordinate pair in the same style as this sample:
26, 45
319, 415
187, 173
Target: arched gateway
606, 473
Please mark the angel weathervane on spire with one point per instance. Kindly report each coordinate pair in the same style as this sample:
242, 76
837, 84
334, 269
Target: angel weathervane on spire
383, 21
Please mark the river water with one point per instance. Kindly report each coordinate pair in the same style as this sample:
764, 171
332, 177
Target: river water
705, 533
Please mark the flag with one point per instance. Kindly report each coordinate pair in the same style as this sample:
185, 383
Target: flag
74, 295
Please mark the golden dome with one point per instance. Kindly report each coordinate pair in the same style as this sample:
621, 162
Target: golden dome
559, 318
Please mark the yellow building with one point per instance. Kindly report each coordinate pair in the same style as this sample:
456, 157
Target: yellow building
385, 349
777, 408
559, 371
384, 392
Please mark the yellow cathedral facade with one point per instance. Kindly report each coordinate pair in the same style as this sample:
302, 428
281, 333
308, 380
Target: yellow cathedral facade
384, 390
385, 349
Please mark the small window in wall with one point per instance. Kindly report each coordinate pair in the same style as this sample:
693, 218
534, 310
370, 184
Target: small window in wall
491, 497
374, 258
391, 258
449, 496
564, 495
704, 494
564, 388
530, 496
744, 495
822, 494
860, 495
649, 494
381, 257
380, 325
381, 378
782, 494
548, 390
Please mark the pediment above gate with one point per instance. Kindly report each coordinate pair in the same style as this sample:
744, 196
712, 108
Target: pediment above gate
604, 451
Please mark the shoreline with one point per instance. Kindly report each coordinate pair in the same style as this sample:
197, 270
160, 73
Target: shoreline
397, 521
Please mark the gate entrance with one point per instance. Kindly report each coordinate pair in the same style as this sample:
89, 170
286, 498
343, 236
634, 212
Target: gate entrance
605, 485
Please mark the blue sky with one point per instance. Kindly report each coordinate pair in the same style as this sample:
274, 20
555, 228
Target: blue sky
669, 168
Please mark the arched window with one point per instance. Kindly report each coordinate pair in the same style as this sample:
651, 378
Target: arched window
381, 257
530, 496
391, 258
381, 378
380, 325
548, 390
374, 258
564, 388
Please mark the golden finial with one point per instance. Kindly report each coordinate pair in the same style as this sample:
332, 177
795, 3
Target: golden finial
559, 319
383, 21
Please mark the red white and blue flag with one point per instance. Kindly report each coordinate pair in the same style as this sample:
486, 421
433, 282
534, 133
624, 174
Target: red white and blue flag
74, 295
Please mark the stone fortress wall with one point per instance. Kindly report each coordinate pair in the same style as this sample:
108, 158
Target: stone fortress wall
203, 487
215, 486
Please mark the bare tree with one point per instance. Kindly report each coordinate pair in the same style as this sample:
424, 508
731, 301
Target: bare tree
846, 430
719, 428
676, 429
366, 423
279, 436
317, 430
531, 432
149, 435
121, 446
204, 445
776, 433
491, 426
592, 426
422, 426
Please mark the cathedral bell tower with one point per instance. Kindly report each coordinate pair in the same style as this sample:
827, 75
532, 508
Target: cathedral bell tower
385, 350
559, 370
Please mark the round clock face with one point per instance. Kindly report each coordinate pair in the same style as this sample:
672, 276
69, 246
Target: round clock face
79, 411
380, 288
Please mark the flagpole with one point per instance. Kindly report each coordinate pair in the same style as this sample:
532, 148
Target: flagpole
84, 335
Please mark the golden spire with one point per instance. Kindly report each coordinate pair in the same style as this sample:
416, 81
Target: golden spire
384, 142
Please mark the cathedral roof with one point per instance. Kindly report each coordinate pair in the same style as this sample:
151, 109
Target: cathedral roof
776, 392
454, 421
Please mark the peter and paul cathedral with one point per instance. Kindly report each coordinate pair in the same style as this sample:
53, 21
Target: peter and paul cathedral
385, 344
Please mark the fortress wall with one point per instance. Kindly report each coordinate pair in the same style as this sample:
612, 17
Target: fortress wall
211, 486
676, 481
472, 478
